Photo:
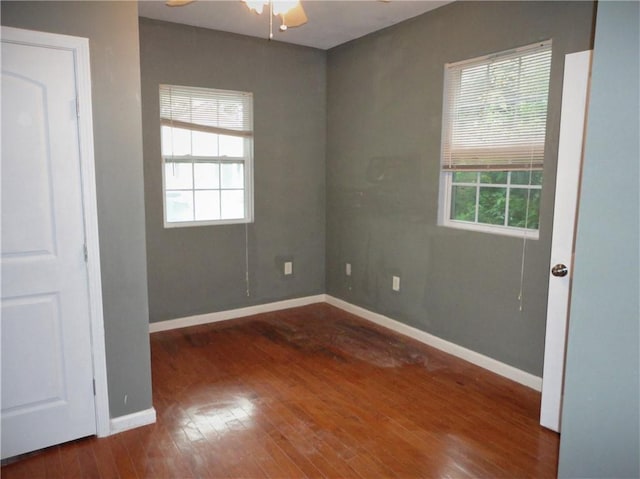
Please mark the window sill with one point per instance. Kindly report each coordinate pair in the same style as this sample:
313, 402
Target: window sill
492, 229
188, 224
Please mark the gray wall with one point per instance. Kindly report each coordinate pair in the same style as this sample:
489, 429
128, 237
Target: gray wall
600, 418
202, 269
112, 29
384, 115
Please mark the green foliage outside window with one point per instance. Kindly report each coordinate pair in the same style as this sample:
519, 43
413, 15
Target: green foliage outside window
504, 198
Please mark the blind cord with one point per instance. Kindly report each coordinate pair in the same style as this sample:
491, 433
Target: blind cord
246, 259
270, 19
520, 294
524, 237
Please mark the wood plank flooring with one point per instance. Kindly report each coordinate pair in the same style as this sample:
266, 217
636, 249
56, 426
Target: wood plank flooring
313, 392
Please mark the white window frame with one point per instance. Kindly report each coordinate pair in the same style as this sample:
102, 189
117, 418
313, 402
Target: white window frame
446, 183
246, 160
444, 208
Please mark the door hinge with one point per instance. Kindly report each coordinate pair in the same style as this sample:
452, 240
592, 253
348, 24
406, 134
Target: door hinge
86, 254
94, 387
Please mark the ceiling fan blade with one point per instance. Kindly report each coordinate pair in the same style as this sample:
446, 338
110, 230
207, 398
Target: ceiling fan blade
178, 3
294, 17
255, 5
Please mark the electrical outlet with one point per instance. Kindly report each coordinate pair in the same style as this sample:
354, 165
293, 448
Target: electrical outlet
395, 284
288, 268
347, 269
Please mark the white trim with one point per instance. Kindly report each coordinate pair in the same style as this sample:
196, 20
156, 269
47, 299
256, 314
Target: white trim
80, 48
473, 357
190, 224
87, 161
234, 313
132, 421
491, 229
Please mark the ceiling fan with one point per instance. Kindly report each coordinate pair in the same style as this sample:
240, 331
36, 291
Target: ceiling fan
290, 11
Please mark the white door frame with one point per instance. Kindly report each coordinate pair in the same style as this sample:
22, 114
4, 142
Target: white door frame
575, 99
80, 48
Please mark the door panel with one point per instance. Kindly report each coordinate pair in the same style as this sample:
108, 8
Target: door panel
33, 324
31, 207
47, 372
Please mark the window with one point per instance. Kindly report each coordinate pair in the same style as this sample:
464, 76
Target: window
493, 134
207, 153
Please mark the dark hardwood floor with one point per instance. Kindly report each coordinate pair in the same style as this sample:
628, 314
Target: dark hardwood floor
313, 392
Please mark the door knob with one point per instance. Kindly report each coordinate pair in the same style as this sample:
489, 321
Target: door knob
559, 270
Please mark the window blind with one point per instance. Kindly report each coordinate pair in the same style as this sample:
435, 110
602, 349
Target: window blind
211, 111
495, 110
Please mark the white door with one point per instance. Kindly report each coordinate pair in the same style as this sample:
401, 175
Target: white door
572, 124
47, 369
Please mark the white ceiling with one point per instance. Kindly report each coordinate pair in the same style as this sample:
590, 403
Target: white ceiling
330, 22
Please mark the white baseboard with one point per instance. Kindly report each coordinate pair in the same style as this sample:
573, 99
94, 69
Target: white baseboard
131, 421
502, 369
234, 313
